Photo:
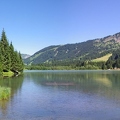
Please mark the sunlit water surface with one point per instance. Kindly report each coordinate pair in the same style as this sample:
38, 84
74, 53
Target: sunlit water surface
62, 95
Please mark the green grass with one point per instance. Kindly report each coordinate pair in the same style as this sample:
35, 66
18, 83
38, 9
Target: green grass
8, 74
5, 93
104, 58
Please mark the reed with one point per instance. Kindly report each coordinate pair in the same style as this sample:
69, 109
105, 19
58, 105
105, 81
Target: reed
5, 93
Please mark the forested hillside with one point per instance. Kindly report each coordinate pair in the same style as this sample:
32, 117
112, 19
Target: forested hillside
84, 51
114, 61
10, 59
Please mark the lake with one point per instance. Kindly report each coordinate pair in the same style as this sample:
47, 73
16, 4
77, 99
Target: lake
62, 95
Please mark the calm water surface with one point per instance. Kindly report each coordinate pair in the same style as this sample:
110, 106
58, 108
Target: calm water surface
62, 95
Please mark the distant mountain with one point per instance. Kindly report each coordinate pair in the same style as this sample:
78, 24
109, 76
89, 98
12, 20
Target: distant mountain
88, 50
24, 56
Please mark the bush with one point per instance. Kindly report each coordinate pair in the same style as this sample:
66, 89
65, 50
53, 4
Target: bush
4, 93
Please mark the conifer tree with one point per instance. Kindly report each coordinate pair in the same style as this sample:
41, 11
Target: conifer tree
1, 64
5, 52
12, 56
9, 58
21, 63
16, 61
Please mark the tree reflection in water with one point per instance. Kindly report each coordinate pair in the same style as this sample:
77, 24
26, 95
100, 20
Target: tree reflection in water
15, 84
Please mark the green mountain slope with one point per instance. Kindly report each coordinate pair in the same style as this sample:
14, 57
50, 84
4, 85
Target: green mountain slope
88, 50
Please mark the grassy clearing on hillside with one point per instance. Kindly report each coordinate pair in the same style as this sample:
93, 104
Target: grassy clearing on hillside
104, 58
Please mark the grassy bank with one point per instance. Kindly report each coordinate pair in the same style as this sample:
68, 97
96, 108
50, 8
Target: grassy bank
8, 74
5, 93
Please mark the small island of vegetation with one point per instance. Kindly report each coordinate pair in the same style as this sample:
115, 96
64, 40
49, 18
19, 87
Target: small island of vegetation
5, 93
10, 60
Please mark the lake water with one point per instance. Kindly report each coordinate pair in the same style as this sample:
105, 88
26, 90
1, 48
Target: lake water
62, 95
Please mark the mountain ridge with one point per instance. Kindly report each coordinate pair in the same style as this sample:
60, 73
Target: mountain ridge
87, 50
24, 56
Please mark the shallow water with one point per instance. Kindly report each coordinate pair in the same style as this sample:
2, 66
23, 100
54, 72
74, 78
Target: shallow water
62, 95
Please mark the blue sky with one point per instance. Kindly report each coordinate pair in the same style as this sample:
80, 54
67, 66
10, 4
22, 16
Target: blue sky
32, 25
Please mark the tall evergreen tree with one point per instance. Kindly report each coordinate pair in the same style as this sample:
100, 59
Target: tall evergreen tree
9, 58
16, 61
5, 52
12, 56
21, 63
1, 64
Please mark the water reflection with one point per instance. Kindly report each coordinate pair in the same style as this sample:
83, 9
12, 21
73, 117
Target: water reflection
15, 84
105, 83
66, 95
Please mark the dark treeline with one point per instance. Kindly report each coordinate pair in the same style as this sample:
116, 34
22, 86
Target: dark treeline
10, 59
68, 65
114, 61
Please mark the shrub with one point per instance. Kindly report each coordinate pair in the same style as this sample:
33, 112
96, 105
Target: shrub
5, 93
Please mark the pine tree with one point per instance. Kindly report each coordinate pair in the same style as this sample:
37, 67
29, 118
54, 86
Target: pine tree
12, 56
16, 65
9, 58
21, 67
16, 60
5, 52
1, 64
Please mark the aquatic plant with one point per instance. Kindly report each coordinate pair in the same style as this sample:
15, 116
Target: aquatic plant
5, 93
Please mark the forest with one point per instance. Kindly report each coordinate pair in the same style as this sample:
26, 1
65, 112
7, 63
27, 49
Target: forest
112, 63
10, 59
